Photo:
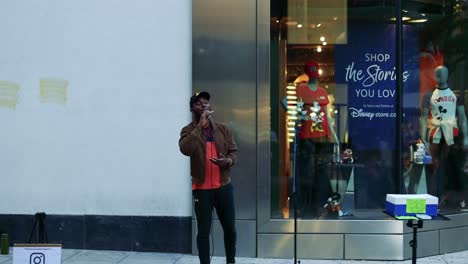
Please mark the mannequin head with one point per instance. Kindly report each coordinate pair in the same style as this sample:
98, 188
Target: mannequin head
441, 76
311, 68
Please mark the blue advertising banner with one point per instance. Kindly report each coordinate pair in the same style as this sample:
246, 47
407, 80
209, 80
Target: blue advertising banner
367, 66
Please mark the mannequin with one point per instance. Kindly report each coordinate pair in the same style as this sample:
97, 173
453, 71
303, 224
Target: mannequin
314, 141
444, 111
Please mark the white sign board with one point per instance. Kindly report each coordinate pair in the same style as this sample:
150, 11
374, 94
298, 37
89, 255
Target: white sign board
37, 254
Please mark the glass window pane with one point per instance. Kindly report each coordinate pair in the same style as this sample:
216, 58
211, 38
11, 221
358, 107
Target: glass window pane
435, 140
333, 78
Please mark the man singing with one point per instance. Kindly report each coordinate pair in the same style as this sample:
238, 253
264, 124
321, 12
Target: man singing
212, 153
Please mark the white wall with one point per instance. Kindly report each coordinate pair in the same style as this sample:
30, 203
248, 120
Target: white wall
112, 147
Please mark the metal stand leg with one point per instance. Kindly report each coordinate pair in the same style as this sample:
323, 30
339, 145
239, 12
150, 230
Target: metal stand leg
294, 198
39, 222
414, 243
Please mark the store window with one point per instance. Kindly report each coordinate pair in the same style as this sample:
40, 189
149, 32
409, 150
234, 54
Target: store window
333, 106
439, 30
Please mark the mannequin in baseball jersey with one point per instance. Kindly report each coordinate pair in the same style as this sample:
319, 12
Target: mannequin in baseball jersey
441, 114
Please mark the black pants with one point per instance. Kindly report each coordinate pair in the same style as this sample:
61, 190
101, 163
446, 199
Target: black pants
222, 200
312, 180
439, 152
447, 181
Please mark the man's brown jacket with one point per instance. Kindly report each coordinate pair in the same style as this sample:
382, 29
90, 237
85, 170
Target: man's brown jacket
192, 143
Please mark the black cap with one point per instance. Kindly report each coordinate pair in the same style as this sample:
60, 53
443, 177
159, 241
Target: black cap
195, 97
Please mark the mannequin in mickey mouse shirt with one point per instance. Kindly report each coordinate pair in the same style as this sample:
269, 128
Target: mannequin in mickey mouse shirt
445, 111
315, 99
315, 141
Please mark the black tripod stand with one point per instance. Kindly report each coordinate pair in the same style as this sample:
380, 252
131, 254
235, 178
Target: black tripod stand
41, 235
297, 126
414, 243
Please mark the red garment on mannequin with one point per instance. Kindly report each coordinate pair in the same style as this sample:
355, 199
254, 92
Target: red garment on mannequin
429, 59
310, 129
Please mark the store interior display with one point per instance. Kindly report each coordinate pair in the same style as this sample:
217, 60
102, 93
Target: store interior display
354, 124
315, 139
419, 153
347, 156
443, 127
333, 204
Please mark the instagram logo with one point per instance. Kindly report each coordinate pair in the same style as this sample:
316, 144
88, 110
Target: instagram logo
37, 258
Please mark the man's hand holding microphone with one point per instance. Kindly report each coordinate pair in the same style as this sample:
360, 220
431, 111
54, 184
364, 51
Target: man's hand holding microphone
204, 123
205, 118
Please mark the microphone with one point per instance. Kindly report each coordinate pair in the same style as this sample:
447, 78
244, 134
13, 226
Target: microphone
208, 110
209, 115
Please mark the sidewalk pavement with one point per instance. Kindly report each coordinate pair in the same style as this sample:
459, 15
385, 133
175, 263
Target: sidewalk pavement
73, 256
